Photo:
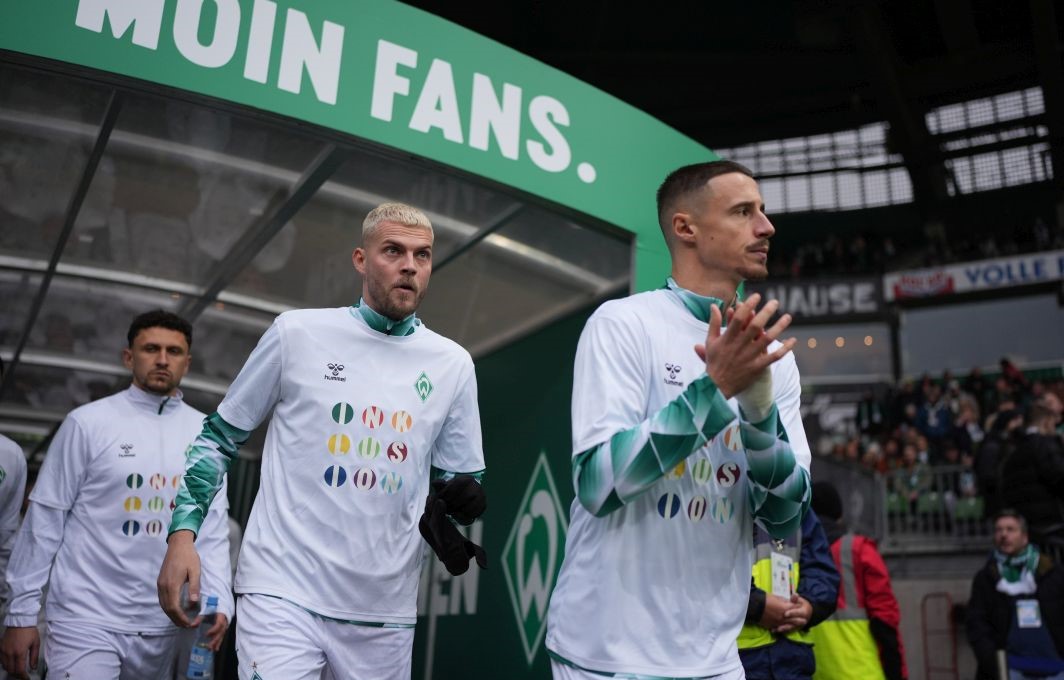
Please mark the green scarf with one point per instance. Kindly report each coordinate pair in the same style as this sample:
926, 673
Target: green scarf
383, 324
698, 305
1012, 567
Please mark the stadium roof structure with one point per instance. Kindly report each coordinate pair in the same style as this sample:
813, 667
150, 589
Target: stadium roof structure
735, 74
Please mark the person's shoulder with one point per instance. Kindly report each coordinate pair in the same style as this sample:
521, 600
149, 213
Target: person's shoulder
310, 316
631, 308
11, 454
443, 344
103, 407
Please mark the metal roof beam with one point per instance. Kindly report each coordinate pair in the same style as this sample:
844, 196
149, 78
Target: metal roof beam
281, 209
114, 106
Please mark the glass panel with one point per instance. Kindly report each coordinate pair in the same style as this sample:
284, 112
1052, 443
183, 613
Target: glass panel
824, 192
48, 125
179, 185
17, 290
850, 193
225, 336
308, 263
772, 195
850, 351
924, 348
876, 189
505, 285
96, 331
60, 389
797, 190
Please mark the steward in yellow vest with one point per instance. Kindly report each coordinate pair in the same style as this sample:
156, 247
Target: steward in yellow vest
794, 587
861, 639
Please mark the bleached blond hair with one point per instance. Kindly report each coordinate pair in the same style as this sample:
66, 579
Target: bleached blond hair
397, 213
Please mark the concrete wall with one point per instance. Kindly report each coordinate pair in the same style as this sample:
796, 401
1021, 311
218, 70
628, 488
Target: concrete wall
911, 593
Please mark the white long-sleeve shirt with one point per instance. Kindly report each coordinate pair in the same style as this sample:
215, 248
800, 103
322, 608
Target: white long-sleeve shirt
99, 513
12, 489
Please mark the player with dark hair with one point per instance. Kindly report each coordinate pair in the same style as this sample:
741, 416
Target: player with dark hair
686, 430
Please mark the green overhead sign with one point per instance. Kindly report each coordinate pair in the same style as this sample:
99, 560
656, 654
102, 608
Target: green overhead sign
385, 72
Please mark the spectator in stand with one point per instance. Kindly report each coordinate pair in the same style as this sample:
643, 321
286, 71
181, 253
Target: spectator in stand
1003, 397
966, 431
1013, 375
1032, 478
870, 420
914, 478
1000, 440
923, 449
933, 418
1017, 605
862, 639
975, 384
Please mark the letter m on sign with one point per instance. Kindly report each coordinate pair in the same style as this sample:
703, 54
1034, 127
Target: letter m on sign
145, 16
533, 554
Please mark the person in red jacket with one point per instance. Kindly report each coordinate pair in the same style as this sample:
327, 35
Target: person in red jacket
862, 639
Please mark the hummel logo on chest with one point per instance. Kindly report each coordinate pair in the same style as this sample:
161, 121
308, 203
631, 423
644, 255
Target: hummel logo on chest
673, 370
335, 369
127, 451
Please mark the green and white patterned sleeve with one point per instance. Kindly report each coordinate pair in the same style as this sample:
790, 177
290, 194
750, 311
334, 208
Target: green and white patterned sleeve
614, 461
249, 400
610, 474
779, 489
207, 459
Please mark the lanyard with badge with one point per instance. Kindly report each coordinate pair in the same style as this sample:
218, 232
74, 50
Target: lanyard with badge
782, 586
1028, 614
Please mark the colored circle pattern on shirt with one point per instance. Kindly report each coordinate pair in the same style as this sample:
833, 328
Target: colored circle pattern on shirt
728, 475
721, 509
391, 482
176, 481
397, 451
677, 472
702, 471
342, 413
157, 481
132, 504
369, 448
732, 439
373, 417
335, 475
131, 527
402, 422
153, 528
156, 504
364, 478
668, 505
134, 481
339, 444
696, 509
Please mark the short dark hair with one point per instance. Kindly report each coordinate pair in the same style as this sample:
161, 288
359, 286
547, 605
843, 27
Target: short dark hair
1015, 514
159, 318
689, 179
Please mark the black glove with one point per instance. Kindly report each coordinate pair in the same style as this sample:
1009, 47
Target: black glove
453, 549
464, 497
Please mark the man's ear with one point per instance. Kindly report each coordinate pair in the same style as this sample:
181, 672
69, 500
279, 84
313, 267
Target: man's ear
683, 229
127, 357
358, 258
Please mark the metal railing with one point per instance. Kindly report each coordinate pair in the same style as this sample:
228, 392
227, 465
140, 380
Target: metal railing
934, 508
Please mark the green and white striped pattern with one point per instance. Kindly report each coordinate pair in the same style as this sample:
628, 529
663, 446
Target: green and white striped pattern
612, 473
206, 461
780, 489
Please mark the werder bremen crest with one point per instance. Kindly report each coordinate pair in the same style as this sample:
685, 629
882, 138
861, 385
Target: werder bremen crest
423, 386
533, 555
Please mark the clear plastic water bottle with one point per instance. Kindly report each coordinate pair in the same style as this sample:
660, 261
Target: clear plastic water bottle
201, 659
